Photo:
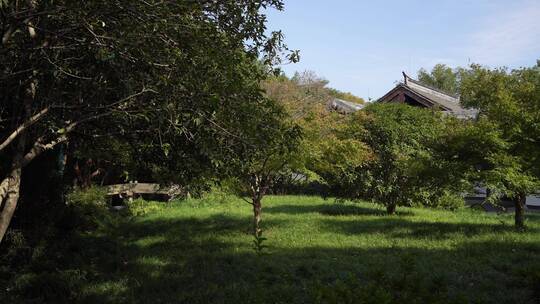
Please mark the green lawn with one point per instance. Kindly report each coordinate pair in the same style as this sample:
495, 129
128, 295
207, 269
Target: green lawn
199, 251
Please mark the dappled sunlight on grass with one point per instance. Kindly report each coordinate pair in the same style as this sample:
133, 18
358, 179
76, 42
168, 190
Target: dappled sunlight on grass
202, 254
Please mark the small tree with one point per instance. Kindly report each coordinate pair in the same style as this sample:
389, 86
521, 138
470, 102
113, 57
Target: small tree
401, 169
263, 145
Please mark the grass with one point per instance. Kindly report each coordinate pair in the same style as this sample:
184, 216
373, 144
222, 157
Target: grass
200, 251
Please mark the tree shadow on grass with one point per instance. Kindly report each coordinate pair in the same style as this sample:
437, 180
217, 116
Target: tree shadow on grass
190, 263
401, 228
205, 260
334, 209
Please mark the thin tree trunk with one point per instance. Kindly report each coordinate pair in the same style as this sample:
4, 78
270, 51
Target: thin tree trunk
257, 214
391, 209
519, 204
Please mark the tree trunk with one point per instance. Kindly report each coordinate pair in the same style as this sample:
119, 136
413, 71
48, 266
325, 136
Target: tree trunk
391, 209
13, 188
519, 204
257, 214
11, 200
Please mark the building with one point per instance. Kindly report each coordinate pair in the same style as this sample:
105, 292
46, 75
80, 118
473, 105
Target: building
417, 94
343, 106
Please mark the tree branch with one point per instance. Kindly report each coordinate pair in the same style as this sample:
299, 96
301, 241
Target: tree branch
245, 200
39, 147
23, 127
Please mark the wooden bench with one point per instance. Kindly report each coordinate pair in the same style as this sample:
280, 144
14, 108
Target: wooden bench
131, 190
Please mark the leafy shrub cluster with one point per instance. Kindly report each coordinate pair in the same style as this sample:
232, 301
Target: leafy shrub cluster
49, 263
449, 200
139, 207
87, 208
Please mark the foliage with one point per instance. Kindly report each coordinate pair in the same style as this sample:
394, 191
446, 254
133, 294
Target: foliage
223, 193
325, 153
52, 260
450, 200
265, 151
140, 207
94, 196
509, 105
88, 207
443, 77
404, 170
336, 155
258, 243
163, 78
347, 96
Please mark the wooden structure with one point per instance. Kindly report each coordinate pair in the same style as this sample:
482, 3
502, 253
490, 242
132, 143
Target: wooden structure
132, 190
417, 94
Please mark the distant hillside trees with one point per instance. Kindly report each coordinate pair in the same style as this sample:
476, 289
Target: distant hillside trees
443, 77
326, 154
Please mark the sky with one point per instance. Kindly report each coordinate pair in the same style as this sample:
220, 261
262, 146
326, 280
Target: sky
363, 46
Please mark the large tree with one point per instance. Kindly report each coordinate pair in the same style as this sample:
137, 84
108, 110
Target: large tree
152, 71
509, 105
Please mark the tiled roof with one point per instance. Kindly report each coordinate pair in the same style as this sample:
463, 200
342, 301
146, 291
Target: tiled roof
344, 106
450, 102
433, 97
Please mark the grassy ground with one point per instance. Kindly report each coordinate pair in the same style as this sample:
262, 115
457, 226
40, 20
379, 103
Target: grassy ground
199, 251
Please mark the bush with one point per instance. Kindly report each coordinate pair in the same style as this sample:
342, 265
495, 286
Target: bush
91, 197
86, 208
46, 262
222, 193
139, 207
450, 201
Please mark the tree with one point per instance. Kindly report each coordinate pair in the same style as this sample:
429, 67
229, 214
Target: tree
402, 170
442, 77
509, 103
325, 152
263, 148
347, 96
151, 71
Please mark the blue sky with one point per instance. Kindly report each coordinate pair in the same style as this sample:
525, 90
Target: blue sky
362, 46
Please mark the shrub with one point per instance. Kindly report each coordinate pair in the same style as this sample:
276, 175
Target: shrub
222, 193
449, 200
93, 196
139, 207
88, 208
